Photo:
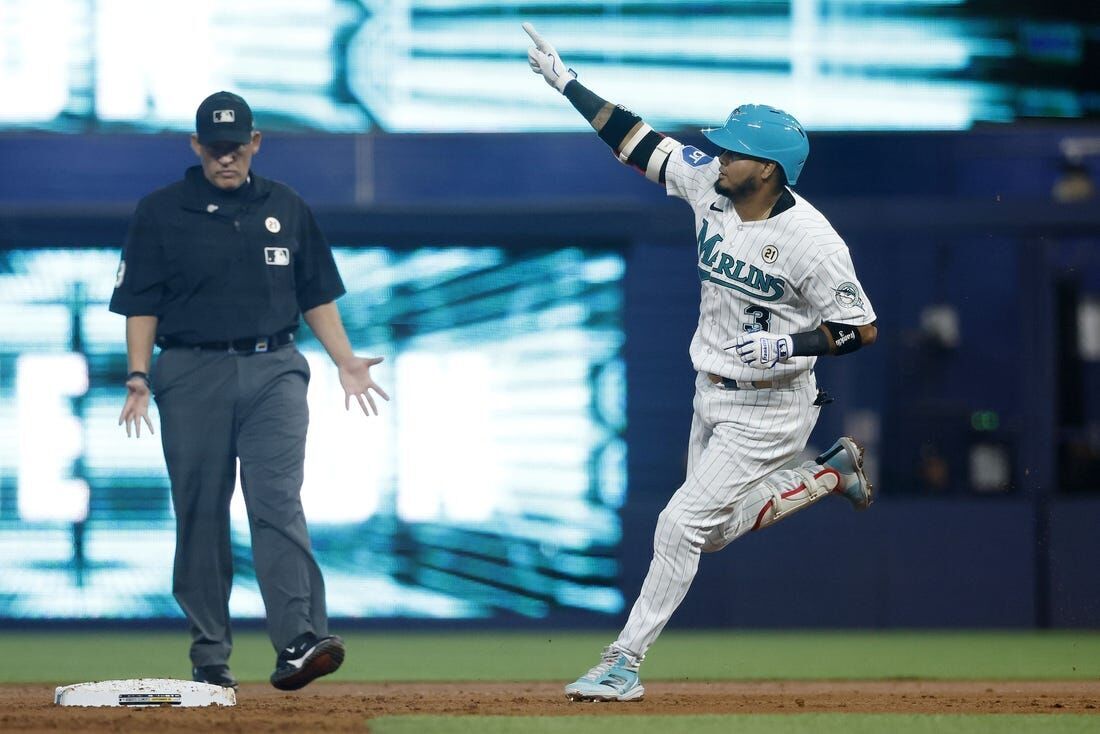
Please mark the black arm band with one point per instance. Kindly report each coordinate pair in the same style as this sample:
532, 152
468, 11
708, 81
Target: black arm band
586, 102
644, 149
817, 342
845, 336
809, 343
138, 373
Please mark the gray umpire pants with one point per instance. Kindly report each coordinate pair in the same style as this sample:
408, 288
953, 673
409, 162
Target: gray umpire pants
215, 408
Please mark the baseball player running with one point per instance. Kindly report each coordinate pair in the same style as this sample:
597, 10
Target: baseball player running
778, 291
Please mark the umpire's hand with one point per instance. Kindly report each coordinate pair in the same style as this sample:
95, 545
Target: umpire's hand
356, 380
136, 408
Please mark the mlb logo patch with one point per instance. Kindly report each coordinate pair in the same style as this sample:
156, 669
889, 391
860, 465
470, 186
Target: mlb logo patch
277, 255
695, 157
225, 116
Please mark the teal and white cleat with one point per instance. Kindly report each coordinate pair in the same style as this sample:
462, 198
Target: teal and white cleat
846, 458
614, 679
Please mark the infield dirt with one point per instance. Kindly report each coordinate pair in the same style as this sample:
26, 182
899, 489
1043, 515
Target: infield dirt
334, 707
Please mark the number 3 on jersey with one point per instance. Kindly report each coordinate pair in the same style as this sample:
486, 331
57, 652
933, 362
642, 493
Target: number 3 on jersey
761, 316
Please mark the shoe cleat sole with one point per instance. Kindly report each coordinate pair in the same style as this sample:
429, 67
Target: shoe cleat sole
576, 697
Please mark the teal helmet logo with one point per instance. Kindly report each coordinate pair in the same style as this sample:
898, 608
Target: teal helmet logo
764, 132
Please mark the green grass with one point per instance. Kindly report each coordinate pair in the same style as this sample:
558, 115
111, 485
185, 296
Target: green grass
741, 724
56, 657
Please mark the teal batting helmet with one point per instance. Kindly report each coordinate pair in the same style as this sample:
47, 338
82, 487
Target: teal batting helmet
764, 132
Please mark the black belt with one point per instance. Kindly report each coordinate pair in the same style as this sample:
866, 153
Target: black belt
250, 345
728, 383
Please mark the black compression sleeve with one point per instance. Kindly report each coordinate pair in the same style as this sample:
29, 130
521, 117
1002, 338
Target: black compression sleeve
809, 343
615, 126
587, 102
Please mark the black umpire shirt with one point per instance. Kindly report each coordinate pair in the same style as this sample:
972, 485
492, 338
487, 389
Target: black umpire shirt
213, 265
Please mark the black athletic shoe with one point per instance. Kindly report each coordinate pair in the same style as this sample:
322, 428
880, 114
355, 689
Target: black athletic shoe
306, 658
218, 675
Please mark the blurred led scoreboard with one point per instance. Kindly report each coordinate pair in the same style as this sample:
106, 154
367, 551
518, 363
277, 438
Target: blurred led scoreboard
459, 65
489, 485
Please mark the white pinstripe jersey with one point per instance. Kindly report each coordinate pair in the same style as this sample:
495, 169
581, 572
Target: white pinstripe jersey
786, 274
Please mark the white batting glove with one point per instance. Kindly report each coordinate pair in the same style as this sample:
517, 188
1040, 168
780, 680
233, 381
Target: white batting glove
761, 349
544, 59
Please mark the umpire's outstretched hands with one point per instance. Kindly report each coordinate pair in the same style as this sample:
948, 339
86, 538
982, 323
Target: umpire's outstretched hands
544, 59
356, 380
136, 408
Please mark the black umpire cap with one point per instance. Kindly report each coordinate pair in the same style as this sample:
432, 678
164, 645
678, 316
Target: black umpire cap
224, 117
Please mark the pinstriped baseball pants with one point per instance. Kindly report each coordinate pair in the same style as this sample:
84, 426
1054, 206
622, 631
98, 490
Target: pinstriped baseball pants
738, 438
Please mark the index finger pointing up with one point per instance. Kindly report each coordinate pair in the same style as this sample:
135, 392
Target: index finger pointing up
540, 44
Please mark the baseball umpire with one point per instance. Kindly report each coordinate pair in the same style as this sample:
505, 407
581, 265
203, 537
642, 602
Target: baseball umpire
778, 290
216, 270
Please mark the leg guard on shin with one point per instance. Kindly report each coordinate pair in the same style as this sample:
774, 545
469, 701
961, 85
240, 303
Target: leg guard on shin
794, 489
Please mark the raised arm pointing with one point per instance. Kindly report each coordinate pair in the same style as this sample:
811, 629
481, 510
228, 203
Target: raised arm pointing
635, 143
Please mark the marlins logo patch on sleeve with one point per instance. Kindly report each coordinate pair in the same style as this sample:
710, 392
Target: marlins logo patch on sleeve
847, 295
